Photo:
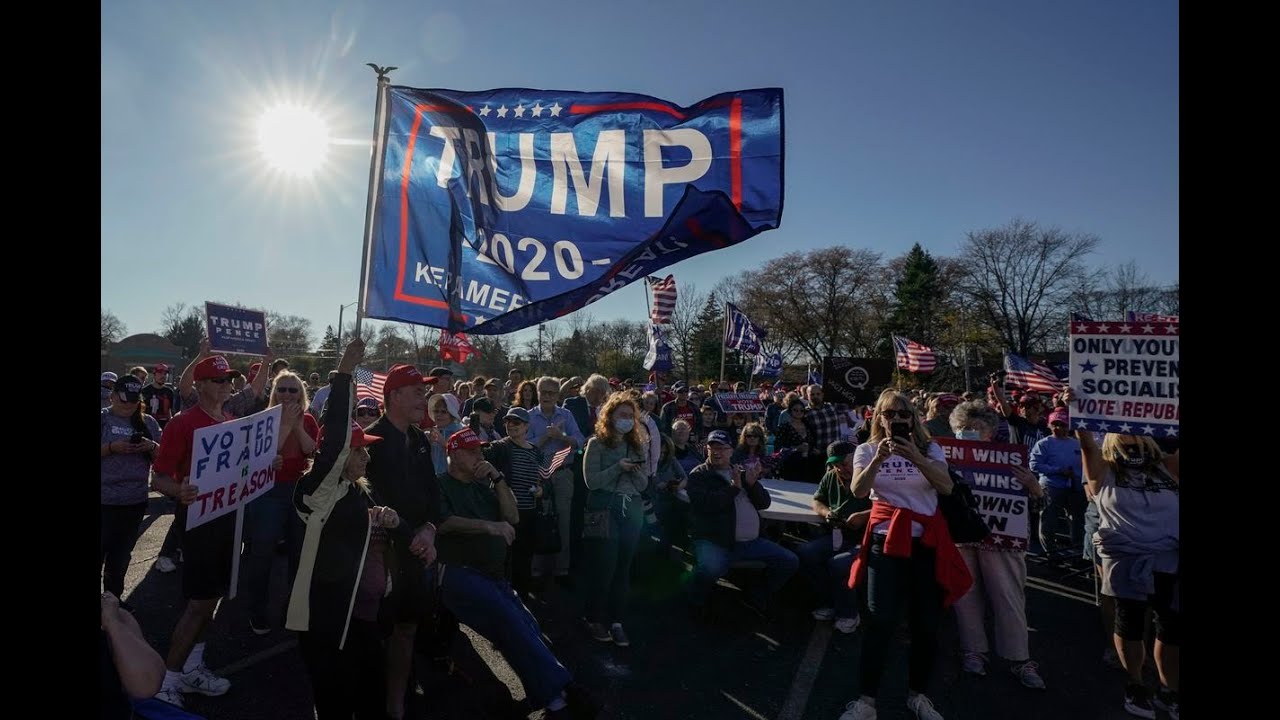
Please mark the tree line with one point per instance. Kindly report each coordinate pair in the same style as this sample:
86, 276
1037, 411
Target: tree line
1012, 287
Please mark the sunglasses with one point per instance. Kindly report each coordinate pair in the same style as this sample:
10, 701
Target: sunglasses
900, 414
293, 390
220, 381
366, 412
755, 437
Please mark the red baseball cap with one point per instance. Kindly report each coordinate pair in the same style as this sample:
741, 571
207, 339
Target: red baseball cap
358, 437
214, 367
253, 370
403, 376
160, 368
462, 440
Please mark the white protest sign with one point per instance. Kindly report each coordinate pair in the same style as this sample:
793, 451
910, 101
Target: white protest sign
1002, 500
1125, 377
231, 464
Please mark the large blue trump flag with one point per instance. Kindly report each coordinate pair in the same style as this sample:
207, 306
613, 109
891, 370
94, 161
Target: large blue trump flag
500, 209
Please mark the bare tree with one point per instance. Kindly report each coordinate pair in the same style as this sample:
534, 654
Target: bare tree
288, 334
112, 328
683, 329
1022, 279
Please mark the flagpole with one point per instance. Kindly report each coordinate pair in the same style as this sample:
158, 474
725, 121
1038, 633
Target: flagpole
648, 308
724, 333
375, 184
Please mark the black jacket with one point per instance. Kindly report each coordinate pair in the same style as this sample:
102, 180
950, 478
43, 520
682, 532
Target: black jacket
712, 515
402, 474
336, 515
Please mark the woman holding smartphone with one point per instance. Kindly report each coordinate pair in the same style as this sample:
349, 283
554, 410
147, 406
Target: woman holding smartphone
613, 467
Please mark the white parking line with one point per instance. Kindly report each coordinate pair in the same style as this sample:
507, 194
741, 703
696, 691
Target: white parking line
807, 673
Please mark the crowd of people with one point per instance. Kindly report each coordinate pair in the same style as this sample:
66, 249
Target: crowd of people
450, 501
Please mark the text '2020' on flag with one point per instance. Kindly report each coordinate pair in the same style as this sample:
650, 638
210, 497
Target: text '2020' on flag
500, 209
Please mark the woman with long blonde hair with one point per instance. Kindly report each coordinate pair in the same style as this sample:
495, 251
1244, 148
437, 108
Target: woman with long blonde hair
271, 518
907, 560
614, 471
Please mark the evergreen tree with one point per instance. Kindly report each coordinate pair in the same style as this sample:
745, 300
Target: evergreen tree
329, 347
709, 338
918, 298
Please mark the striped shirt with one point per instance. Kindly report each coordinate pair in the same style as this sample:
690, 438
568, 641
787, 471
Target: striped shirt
524, 474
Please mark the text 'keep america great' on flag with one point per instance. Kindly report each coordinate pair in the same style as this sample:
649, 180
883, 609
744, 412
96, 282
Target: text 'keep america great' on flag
497, 210
1023, 373
914, 357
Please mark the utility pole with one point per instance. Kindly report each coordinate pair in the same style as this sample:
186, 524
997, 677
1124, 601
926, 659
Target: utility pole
538, 365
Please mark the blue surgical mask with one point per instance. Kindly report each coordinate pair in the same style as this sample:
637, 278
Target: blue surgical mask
623, 426
968, 435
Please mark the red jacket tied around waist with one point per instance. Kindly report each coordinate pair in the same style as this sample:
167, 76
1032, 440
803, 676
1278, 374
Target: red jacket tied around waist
950, 570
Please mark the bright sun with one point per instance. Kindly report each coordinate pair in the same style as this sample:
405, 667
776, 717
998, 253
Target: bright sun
293, 139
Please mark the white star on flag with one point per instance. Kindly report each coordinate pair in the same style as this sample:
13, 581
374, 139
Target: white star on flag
1082, 328
1147, 429
1148, 329
1171, 432
555, 109
502, 111
1082, 424
1103, 426
1171, 329
1103, 328
1125, 328
537, 109
520, 110
484, 111
1125, 428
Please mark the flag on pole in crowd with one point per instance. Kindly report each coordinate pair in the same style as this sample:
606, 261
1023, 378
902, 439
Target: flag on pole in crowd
658, 358
914, 357
664, 299
469, 228
1028, 375
768, 365
815, 378
740, 333
557, 461
455, 347
369, 384
1080, 317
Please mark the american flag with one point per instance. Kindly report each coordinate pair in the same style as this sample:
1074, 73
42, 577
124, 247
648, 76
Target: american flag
455, 346
1022, 373
914, 357
557, 461
369, 384
664, 299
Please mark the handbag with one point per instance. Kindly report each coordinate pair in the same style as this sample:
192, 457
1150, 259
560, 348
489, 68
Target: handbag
546, 525
598, 524
960, 510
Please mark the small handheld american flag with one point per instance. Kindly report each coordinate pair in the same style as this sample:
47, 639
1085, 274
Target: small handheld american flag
369, 384
557, 461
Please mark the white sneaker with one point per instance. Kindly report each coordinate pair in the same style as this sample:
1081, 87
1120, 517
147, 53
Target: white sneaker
164, 565
824, 613
923, 707
170, 695
859, 710
848, 626
203, 681
974, 663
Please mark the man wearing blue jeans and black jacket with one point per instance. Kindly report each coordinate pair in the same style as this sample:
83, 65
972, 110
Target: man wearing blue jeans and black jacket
724, 515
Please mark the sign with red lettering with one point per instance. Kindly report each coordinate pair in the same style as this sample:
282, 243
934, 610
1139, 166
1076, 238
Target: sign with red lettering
1124, 376
1002, 500
231, 464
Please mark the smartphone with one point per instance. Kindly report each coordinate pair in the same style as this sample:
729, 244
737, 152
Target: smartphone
901, 430
135, 438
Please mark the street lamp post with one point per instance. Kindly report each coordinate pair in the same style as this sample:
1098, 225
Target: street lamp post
337, 353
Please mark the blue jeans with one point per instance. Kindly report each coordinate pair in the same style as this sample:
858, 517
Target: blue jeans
713, 561
492, 608
268, 520
828, 572
1057, 503
609, 561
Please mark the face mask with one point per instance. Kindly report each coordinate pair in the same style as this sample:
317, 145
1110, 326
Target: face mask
1134, 457
623, 426
968, 435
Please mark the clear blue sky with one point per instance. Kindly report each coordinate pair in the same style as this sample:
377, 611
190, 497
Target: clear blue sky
906, 122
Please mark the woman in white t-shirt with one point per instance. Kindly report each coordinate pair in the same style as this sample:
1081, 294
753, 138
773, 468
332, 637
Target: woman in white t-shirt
908, 561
